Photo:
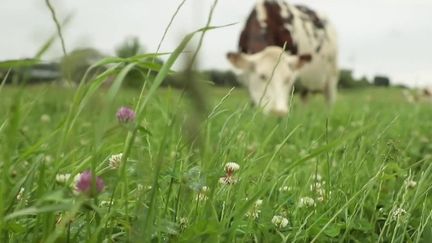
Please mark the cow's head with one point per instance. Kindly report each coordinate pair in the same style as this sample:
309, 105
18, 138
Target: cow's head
269, 76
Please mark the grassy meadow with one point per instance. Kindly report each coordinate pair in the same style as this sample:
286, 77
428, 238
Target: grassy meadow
360, 172
200, 164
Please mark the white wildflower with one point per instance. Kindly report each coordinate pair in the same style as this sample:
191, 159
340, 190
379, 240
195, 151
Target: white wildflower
306, 202
258, 203
45, 118
106, 203
202, 194
62, 178
316, 186
285, 189
228, 180
183, 223
74, 183
255, 211
317, 177
411, 184
279, 221
231, 167
49, 158
320, 191
398, 213
20, 194
115, 160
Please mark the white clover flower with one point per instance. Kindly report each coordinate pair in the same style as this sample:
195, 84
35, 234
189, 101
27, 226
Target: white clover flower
115, 160
183, 223
316, 186
231, 167
320, 199
74, 183
45, 118
20, 194
62, 178
255, 211
306, 202
285, 189
279, 221
106, 203
317, 177
202, 194
398, 213
411, 184
201, 197
228, 180
320, 192
49, 158
258, 203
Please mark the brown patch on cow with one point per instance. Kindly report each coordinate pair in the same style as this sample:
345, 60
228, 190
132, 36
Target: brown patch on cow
254, 38
303, 59
313, 16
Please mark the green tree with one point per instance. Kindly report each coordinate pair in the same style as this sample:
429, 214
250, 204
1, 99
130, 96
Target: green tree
75, 64
129, 47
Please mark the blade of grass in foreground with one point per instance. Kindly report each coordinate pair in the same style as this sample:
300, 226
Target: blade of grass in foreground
167, 66
4, 79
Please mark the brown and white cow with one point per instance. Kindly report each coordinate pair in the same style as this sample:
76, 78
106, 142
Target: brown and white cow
281, 43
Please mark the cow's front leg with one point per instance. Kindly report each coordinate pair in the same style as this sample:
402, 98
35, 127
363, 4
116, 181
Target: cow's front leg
330, 91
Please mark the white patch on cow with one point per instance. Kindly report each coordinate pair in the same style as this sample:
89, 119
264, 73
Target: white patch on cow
284, 10
269, 76
261, 13
288, 27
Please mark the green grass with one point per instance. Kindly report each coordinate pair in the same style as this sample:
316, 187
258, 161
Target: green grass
364, 149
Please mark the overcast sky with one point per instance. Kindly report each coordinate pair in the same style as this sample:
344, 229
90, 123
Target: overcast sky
392, 37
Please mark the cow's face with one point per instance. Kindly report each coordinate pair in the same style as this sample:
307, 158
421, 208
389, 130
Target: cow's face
269, 76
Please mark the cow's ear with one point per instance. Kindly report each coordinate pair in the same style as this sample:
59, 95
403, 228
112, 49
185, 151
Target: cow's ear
302, 60
240, 60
